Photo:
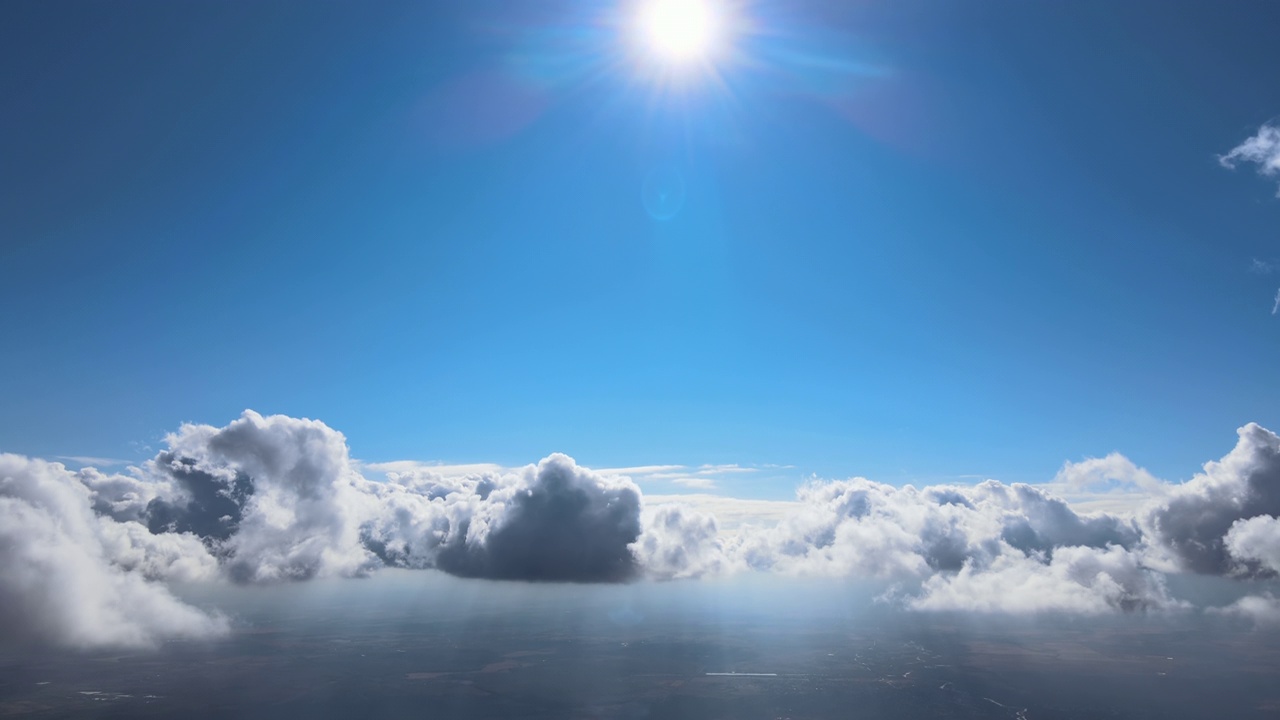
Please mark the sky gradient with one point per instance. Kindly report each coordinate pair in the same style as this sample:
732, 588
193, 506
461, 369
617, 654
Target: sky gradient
918, 241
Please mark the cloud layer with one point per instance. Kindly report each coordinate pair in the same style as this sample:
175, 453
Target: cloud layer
85, 555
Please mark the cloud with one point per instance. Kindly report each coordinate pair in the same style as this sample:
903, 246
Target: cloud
552, 522
732, 514
1261, 609
1081, 580
701, 477
1255, 542
278, 498
1192, 522
1113, 470
698, 483
274, 498
1261, 267
1262, 149
989, 547
1275, 306
96, 461
76, 579
861, 527
445, 469
636, 471
680, 543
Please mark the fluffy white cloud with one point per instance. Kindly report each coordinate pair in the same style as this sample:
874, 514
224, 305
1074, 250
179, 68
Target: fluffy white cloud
1262, 149
1114, 469
679, 543
1256, 541
1077, 579
866, 528
74, 578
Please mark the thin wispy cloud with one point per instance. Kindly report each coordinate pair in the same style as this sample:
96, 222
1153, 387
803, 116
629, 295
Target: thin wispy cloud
1275, 306
699, 483
707, 476
439, 468
94, 461
1262, 267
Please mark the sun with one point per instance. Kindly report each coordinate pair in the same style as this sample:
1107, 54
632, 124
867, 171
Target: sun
680, 31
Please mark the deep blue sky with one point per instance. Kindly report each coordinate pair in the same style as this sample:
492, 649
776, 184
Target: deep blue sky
918, 239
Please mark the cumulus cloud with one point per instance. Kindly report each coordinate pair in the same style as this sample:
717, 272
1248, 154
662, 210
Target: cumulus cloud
1256, 543
279, 498
77, 579
679, 543
1077, 579
275, 498
991, 547
862, 527
1262, 149
1192, 522
553, 521
1113, 470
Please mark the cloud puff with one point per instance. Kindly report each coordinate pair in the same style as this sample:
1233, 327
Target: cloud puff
1256, 543
1262, 149
74, 578
679, 543
1192, 522
1077, 579
1261, 609
1113, 470
553, 521
275, 498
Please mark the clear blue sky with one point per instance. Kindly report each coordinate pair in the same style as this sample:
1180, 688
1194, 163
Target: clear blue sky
918, 239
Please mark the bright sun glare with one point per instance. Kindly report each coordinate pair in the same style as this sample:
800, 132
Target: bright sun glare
680, 31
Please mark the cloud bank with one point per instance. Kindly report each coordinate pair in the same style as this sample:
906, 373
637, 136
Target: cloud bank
85, 555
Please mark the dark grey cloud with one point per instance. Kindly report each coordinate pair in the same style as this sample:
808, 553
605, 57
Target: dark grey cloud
1193, 522
557, 522
553, 521
207, 504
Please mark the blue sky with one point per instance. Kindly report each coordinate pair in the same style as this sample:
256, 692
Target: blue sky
918, 240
